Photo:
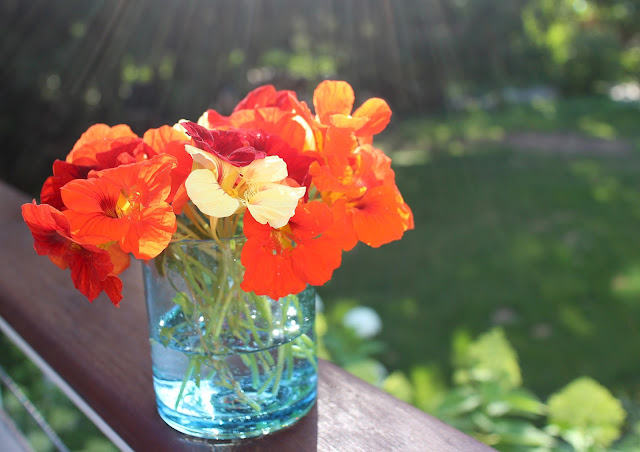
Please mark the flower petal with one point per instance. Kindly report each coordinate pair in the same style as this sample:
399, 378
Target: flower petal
95, 227
112, 286
315, 260
347, 122
381, 216
267, 273
268, 169
333, 97
89, 268
158, 139
49, 228
232, 146
377, 112
98, 132
150, 234
262, 96
205, 192
89, 195
203, 158
275, 204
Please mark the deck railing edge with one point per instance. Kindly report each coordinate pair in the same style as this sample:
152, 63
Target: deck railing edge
60, 382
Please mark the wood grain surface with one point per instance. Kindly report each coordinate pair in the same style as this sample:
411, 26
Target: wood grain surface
103, 353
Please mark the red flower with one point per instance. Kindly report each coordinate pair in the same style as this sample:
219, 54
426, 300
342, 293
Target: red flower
63, 172
279, 262
275, 112
92, 270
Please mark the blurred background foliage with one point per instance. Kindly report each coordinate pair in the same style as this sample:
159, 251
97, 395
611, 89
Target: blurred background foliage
70, 63
515, 139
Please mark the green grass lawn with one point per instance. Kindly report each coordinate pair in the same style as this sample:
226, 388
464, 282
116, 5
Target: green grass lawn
542, 243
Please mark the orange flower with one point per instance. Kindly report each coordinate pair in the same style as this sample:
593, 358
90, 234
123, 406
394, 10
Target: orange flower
380, 216
92, 269
102, 147
126, 204
100, 132
362, 178
333, 102
279, 262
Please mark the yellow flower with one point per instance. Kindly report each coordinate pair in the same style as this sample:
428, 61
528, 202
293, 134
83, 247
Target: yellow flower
220, 189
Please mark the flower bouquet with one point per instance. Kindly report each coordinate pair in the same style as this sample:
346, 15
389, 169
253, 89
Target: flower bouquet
235, 217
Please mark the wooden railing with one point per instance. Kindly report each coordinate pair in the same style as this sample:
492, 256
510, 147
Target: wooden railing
99, 355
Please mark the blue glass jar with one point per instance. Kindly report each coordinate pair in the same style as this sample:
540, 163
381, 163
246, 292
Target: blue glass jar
227, 364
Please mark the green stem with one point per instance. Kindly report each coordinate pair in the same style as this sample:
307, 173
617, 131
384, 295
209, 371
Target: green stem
187, 376
251, 363
279, 367
305, 350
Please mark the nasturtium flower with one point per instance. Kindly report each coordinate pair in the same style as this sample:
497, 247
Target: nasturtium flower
92, 269
380, 216
101, 132
282, 261
361, 176
274, 112
102, 147
303, 185
220, 189
333, 102
126, 204
230, 174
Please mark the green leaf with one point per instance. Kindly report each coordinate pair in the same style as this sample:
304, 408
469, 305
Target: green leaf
321, 325
460, 347
458, 401
512, 431
500, 401
398, 385
182, 299
630, 443
524, 402
428, 387
489, 358
586, 414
